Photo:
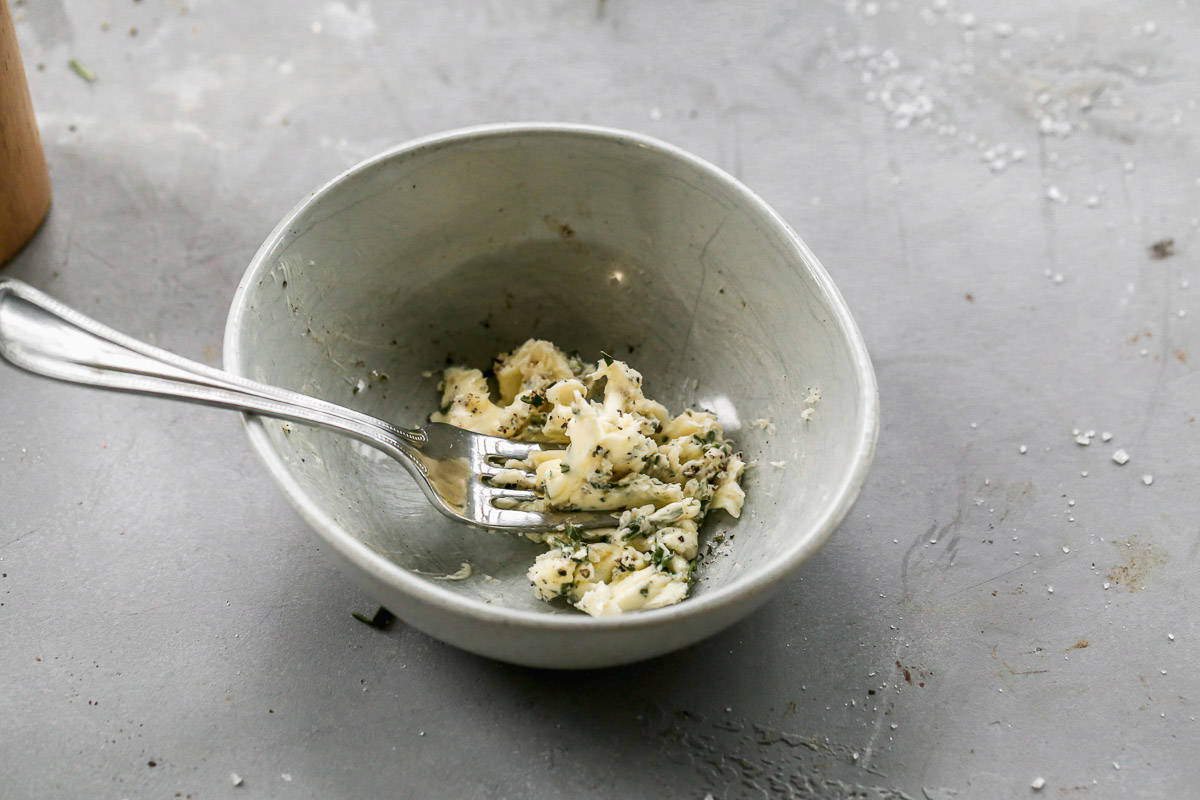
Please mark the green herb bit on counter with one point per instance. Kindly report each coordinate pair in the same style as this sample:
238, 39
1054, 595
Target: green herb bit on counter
79, 69
382, 620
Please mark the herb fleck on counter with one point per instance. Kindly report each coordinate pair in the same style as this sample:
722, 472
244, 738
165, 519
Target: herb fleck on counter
382, 620
79, 69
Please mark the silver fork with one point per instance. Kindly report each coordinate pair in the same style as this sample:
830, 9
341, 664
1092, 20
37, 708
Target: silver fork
452, 466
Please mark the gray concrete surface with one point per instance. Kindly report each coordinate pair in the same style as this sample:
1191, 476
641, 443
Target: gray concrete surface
166, 619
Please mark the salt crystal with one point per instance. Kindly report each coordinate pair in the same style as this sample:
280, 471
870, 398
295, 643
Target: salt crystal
1022, 449
1018, 153
1106, 436
1089, 434
287, 776
1106, 584
235, 779
1182, 312
1083, 474
1058, 276
1116, 765
967, 20
1171, 637
1120, 457
1055, 127
1066, 549
1050, 589
1071, 503
1038, 783
1082, 440
1147, 479
1055, 194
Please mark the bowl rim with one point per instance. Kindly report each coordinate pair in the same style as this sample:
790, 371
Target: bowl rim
743, 590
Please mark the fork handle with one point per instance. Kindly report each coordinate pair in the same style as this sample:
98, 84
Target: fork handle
46, 337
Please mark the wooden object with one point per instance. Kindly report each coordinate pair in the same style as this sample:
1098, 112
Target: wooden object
24, 182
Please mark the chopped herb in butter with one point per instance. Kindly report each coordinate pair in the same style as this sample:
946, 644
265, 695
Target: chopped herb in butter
617, 451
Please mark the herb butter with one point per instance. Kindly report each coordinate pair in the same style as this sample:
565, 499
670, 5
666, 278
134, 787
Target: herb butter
618, 451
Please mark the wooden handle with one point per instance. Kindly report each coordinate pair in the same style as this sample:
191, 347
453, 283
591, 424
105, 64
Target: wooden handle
24, 182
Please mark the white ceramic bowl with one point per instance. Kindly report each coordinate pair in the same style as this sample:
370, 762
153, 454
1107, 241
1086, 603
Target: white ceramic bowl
460, 246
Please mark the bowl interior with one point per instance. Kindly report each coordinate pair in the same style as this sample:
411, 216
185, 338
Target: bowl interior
459, 249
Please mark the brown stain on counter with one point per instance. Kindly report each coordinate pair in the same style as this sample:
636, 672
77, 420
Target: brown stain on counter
1139, 560
1013, 670
908, 674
